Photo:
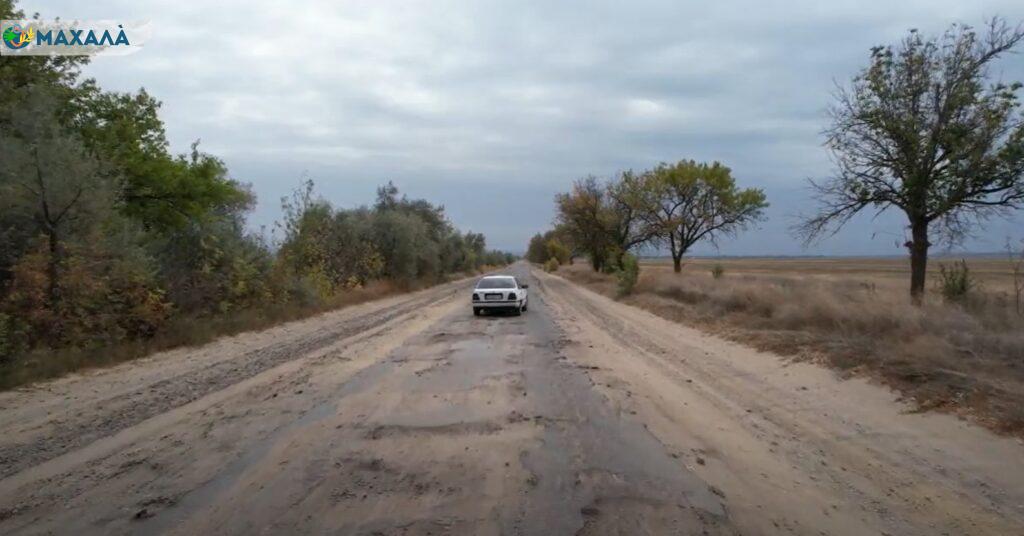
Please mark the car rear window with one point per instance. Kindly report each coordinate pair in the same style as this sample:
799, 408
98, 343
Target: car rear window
496, 283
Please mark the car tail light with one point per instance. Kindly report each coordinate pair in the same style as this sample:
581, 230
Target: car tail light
512, 295
476, 297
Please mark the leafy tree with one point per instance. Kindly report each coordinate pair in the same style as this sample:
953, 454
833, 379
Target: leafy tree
688, 202
628, 201
536, 251
405, 245
22, 81
547, 246
387, 197
159, 190
213, 266
106, 237
925, 129
556, 250
473, 253
55, 74
583, 213
49, 185
354, 259
604, 221
562, 235
398, 238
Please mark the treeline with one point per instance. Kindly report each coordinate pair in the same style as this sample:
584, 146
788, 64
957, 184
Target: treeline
108, 239
399, 239
673, 207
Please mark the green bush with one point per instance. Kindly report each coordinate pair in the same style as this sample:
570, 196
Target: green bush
627, 274
717, 271
8, 341
557, 251
551, 265
956, 282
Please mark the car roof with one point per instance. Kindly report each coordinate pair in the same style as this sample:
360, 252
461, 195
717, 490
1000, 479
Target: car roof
498, 277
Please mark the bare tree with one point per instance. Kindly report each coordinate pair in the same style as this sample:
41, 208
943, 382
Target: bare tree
924, 129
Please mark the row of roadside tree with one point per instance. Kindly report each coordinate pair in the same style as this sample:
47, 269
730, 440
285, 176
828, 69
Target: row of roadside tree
109, 240
926, 129
670, 207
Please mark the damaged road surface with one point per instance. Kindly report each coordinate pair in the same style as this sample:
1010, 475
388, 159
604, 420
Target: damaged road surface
411, 416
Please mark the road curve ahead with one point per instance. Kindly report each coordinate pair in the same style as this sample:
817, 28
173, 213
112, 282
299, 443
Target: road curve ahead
411, 416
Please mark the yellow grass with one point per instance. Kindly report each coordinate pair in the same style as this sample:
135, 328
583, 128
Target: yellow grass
889, 273
855, 315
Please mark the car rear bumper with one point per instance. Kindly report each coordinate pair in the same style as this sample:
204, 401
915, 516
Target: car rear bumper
496, 304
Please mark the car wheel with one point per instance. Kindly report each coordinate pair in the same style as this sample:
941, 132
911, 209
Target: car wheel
476, 311
526, 305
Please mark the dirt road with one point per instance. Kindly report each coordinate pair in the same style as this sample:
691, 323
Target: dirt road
411, 416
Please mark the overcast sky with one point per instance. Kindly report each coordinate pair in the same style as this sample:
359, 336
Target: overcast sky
491, 107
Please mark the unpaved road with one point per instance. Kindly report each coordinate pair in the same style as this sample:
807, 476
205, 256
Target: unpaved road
411, 416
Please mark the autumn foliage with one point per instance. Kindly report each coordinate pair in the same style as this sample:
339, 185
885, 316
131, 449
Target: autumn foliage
111, 245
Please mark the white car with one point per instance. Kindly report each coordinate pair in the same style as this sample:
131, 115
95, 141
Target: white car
499, 293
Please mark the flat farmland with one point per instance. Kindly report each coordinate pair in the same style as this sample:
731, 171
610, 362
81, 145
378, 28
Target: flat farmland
992, 272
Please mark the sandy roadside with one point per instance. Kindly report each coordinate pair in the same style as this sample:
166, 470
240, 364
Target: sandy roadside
793, 448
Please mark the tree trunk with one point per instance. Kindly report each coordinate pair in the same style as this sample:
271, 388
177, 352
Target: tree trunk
918, 247
52, 267
677, 254
595, 262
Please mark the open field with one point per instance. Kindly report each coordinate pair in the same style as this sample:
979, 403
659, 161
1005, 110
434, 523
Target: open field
993, 272
855, 315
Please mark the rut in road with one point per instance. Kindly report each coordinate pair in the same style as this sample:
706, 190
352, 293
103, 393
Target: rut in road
412, 416
790, 444
144, 401
473, 426
437, 422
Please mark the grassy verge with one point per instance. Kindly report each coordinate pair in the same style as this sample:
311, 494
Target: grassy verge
966, 359
45, 363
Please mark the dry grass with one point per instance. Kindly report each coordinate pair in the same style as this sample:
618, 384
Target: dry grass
855, 315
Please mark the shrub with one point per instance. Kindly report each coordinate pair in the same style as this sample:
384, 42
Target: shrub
551, 265
956, 281
717, 271
611, 263
8, 337
557, 251
627, 274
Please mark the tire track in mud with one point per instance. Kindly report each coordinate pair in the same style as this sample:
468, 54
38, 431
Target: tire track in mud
147, 401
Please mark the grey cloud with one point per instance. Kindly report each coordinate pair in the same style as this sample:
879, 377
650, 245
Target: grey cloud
460, 100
